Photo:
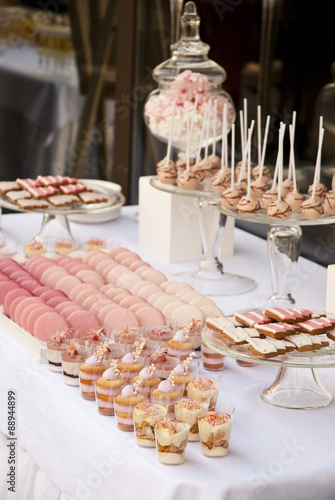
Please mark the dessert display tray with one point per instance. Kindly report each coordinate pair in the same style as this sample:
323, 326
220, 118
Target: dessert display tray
296, 385
201, 190
296, 219
37, 349
115, 201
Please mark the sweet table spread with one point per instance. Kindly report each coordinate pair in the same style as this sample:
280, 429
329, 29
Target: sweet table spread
274, 452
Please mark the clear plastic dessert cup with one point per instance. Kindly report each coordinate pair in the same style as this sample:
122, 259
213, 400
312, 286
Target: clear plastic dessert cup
211, 359
171, 440
71, 362
214, 430
188, 411
146, 415
124, 405
54, 354
205, 386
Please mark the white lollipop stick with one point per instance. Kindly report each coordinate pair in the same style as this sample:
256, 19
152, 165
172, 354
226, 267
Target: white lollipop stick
168, 153
188, 138
280, 154
294, 116
292, 158
214, 126
223, 142
232, 156
320, 128
202, 134
318, 162
242, 133
245, 116
275, 175
265, 140
207, 128
193, 115
259, 134
248, 149
225, 119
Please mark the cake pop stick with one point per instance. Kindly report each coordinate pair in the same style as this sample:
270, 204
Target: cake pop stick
248, 148
290, 173
232, 156
292, 157
265, 140
259, 134
242, 132
318, 161
202, 134
214, 126
321, 131
208, 126
280, 164
169, 147
193, 115
245, 116
188, 139
224, 137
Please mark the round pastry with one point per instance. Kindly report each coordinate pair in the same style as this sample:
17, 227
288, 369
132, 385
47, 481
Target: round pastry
288, 184
180, 345
279, 209
124, 405
248, 205
320, 190
266, 174
167, 174
258, 187
149, 382
187, 180
312, 208
221, 180
129, 366
329, 203
182, 162
294, 199
107, 387
269, 197
65, 247
165, 163
231, 196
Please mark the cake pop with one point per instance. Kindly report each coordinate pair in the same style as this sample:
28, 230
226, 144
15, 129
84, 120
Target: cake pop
187, 179
329, 203
248, 204
231, 196
167, 174
222, 179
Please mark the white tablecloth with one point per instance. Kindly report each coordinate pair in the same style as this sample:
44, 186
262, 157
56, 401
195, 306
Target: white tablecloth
275, 453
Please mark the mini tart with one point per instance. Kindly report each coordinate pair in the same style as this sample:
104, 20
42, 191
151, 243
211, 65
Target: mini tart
33, 249
94, 244
65, 247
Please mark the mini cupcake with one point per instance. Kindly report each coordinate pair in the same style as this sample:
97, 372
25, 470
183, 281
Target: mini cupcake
146, 382
166, 395
124, 405
89, 372
129, 366
55, 345
107, 388
180, 345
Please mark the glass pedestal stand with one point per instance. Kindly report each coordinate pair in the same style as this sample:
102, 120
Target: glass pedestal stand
210, 277
55, 227
296, 385
284, 243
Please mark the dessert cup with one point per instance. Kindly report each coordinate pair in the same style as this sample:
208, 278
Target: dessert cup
215, 429
107, 388
211, 359
146, 415
55, 345
171, 440
188, 411
124, 405
205, 386
73, 356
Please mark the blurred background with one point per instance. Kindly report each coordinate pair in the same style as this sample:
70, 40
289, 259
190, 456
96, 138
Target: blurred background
75, 74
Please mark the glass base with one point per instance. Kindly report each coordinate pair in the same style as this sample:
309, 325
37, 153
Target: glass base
297, 388
276, 300
54, 228
216, 283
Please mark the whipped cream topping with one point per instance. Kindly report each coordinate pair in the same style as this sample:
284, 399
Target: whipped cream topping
165, 386
180, 336
128, 391
92, 360
146, 374
110, 374
128, 358
179, 370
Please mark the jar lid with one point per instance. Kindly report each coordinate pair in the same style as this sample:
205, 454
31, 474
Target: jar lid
189, 53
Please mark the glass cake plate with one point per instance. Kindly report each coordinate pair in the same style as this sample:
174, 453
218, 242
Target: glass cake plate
210, 277
297, 385
55, 223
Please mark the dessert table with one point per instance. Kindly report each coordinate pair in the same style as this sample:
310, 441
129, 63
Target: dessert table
65, 443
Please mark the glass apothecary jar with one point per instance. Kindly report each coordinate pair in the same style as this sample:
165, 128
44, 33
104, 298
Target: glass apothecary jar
194, 83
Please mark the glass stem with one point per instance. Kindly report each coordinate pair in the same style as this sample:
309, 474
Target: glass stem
284, 244
211, 231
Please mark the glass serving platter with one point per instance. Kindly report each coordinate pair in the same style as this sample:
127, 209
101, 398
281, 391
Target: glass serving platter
297, 385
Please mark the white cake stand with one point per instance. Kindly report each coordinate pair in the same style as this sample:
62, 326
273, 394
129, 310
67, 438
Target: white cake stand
210, 277
296, 385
